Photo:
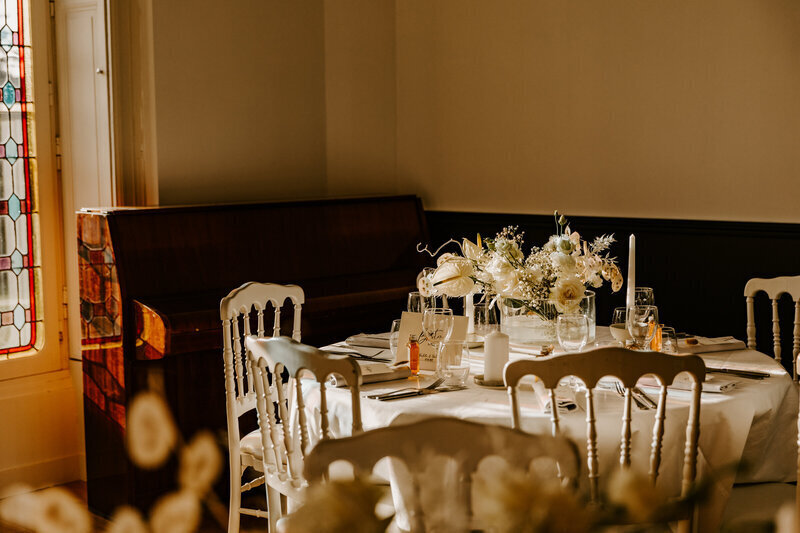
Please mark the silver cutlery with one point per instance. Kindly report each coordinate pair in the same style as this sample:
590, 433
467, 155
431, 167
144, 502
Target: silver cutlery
423, 392
644, 397
406, 390
749, 374
621, 391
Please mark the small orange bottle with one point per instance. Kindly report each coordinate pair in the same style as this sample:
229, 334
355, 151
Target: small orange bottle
413, 355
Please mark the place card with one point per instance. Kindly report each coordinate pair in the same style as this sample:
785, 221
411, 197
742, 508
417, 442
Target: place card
411, 326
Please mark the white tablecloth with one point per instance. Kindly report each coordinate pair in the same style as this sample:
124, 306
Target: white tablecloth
755, 423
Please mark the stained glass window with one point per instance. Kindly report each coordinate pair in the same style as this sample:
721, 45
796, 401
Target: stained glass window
20, 301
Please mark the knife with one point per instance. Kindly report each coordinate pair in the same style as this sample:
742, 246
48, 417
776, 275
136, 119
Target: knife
419, 392
750, 374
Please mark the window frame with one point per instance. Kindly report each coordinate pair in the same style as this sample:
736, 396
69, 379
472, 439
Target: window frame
53, 355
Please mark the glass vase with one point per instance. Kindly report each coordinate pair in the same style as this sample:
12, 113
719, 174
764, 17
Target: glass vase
535, 323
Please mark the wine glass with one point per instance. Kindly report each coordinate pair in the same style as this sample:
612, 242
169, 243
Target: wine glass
619, 329
642, 322
394, 337
572, 331
417, 303
644, 296
484, 319
437, 326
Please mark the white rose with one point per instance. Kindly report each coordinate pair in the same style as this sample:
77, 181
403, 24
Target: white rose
504, 276
509, 248
552, 244
567, 294
454, 277
563, 262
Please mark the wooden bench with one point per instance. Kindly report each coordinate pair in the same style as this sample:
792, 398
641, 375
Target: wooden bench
151, 283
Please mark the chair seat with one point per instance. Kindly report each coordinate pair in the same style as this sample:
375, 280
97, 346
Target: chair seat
757, 503
251, 444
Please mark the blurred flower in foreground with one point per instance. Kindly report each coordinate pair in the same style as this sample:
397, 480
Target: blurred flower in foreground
177, 512
19, 505
200, 464
151, 431
58, 511
636, 494
338, 506
127, 520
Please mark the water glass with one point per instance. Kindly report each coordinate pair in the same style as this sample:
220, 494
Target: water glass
644, 296
572, 331
484, 319
453, 363
619, 329
394, 335
642, 324
669, 340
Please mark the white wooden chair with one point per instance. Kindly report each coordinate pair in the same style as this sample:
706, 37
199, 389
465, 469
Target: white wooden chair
417, 443
628, 366
284, 443
235, 311
774, 287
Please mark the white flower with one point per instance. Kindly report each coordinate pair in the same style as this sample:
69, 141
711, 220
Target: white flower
454, 277
636, 493
19, 505
151, 431
127, 520
200, 464
471, 250
425, 287
567, 294
505, 277
61, 512
177, 512
563, 263
509, 248
445, 258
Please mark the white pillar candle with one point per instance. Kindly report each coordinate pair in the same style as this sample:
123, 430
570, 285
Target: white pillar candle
631, 295
469, 310
495, 355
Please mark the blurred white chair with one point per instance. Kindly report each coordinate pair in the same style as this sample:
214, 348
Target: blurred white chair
235, 312
628, 366
420, 445
774, 288
284, 442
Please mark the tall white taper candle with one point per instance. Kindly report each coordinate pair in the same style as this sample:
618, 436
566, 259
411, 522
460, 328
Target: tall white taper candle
631, 295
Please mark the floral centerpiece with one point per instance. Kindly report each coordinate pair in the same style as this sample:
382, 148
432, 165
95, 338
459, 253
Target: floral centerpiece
533, 289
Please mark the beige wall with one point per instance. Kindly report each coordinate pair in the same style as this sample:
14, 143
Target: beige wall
360, 96
658, 109
655, 109
240, 110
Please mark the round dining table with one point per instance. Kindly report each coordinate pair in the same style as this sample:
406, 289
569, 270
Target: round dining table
748, 433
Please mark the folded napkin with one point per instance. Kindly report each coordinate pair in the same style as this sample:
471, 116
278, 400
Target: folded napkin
374, 372
710, 344
372, 340
564, 398
712, 383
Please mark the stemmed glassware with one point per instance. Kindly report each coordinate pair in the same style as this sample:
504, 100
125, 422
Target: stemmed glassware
619, 329
642, 322
644, 296
437, 326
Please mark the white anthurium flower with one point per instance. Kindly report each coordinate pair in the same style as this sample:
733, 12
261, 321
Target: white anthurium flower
61, 512
471, 250
454, 277
567, 293
177, 512
425, 287
127, 519
200, 464
151, 431
444, 258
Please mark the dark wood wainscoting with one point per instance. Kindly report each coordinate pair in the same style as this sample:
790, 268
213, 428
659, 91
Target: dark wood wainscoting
698, 269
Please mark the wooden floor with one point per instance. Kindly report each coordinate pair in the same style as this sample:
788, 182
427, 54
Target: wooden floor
100, 524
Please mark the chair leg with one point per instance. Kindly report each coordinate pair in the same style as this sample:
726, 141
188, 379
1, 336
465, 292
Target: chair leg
273, 507
236, 495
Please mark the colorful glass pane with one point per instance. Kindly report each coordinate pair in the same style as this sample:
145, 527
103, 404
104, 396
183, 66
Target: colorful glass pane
20, 302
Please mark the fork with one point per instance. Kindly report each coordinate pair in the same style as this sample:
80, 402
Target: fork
432, 386
621, 391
